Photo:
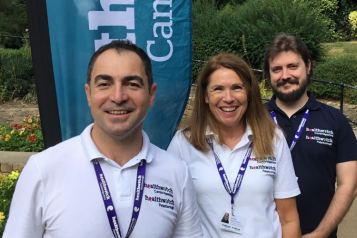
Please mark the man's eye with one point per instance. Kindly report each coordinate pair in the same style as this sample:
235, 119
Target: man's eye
293, 67
103, 85
131, 84
275, 70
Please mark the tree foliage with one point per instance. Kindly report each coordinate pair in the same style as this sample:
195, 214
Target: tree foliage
247, 29
13, 21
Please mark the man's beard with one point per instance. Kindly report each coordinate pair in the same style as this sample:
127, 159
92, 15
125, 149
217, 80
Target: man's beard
294, 95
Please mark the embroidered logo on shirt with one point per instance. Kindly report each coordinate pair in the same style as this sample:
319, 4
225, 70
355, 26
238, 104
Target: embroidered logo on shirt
270, 160
321, 132
160, 189
270, 169
163, 202
320, 140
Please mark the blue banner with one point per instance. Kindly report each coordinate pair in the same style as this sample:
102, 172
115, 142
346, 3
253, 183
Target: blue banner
162, 28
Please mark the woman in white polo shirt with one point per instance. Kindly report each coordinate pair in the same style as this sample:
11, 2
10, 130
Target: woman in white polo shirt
238, 158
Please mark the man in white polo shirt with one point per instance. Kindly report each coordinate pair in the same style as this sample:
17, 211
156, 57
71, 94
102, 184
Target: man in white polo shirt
110, 181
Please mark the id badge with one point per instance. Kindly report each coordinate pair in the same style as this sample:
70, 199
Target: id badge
232, 223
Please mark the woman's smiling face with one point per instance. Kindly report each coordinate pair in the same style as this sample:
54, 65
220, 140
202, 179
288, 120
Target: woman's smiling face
227, 98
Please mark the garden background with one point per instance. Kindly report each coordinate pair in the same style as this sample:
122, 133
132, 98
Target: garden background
243, 27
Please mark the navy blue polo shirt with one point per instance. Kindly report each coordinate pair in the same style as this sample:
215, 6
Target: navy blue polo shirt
327, 139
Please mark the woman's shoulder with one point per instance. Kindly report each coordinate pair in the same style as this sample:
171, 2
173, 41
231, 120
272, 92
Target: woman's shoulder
182, 134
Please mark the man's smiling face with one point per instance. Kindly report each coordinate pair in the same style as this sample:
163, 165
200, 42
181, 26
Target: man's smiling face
288, 74
118, 94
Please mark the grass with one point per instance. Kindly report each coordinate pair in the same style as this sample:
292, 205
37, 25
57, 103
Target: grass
340, 48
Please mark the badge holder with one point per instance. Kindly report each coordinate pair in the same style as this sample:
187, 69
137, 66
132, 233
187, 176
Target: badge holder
232, 223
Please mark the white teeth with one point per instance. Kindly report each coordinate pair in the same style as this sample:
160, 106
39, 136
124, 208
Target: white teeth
118, 112
228, 109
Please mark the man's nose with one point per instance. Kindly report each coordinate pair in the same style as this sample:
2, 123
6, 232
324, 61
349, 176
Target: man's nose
285, 74
118, 94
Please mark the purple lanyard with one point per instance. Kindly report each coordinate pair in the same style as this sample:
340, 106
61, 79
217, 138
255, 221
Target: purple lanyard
108, 202
299, 130
223, 174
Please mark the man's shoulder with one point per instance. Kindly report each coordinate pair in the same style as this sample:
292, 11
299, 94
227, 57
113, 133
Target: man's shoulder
332, 113
165, 158
61, 151
269, 105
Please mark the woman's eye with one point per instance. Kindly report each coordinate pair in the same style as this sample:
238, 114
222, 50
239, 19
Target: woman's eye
237, 87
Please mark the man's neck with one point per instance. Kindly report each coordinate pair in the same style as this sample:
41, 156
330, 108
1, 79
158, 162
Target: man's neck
120, 150
291, 107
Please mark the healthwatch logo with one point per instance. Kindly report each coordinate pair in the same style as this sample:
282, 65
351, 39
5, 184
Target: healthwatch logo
321, 132
164, 190
163, 202
320, 140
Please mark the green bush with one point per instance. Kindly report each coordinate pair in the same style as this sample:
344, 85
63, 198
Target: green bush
342, 69
16, 74
24, 138
247, 29
7, 188
341, 18
327, 10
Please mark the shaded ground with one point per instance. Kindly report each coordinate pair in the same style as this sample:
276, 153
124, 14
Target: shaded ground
348, 226
14, 111
349, 110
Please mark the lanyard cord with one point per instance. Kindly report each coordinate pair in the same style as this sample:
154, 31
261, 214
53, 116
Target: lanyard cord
108, 202
299, 130
223, 175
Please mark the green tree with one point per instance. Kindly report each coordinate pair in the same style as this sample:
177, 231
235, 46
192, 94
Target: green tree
345, 7
13, 21
247, 29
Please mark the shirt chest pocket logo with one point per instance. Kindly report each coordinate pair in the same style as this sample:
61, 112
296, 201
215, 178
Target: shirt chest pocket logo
268, 167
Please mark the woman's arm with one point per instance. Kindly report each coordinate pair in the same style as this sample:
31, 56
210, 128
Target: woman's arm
289, 217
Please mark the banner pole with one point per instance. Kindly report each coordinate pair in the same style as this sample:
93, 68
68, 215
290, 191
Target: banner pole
43, 70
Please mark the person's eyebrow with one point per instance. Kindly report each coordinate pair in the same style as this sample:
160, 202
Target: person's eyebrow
134, 78
103, 77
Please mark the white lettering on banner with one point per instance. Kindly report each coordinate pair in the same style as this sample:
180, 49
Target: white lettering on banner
112, 18
163, 25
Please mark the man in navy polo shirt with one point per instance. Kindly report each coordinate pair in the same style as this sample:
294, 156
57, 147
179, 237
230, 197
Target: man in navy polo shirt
322, 143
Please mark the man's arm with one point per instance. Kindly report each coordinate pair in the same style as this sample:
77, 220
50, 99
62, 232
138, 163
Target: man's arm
341, 201
188, 223
288, 217
25, 218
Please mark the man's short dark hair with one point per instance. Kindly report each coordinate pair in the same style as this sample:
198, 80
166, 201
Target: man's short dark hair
284, 42
122, 46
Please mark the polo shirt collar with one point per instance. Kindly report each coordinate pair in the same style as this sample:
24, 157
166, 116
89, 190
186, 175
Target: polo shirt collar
311, 104
248, 135
92, 151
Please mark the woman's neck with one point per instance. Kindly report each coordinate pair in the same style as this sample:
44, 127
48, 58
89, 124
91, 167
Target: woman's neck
231, 136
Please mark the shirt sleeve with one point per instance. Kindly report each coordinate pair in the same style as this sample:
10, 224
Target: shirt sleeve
25, 218
174, 146
347, 143
188, 224
285, 184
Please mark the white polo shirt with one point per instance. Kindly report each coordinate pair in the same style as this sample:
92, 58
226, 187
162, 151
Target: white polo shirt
58, 196
262, 183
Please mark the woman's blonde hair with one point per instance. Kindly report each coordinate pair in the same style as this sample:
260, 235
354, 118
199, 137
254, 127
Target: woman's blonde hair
256, 116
